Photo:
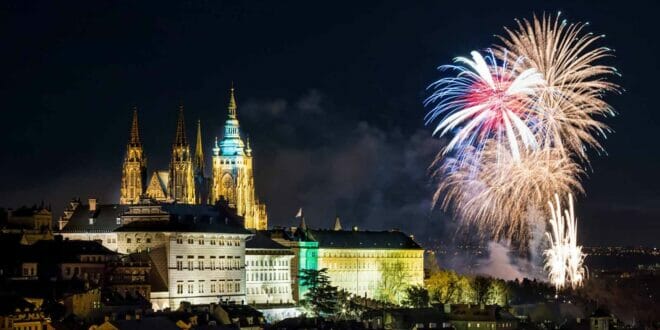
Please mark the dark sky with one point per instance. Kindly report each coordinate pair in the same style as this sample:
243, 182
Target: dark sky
329, 92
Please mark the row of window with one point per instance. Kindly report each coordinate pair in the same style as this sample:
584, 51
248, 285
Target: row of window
222, 263
270, 290
270, 262
215, 286
267, 276
138, 240
212, 241
368, 255
231, 162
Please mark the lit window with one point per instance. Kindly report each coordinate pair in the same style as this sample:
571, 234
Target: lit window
91, 221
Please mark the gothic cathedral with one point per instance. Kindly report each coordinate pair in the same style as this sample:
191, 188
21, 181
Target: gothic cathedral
231, 181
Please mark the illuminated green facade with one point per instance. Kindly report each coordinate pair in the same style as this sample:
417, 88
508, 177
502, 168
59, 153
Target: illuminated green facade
308, 252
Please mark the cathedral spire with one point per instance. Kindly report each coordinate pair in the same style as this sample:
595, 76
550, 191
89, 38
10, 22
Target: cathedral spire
199, 153
180, 138
135, 131
232, 102
337, 224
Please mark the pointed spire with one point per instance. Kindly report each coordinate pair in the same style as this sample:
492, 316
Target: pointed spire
337, 224
180, 138
199, 153
135, 131
232, 102
303, 225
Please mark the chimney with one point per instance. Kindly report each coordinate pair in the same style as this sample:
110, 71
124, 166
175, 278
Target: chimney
92, 204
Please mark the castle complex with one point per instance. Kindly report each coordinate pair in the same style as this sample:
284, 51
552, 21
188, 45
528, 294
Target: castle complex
206, 240
186, 181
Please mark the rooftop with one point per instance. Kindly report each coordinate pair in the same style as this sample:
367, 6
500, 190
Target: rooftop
354, 239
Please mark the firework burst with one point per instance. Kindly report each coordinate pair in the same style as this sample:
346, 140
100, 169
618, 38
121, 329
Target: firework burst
571, 101
521, 119
494, 193
485, 101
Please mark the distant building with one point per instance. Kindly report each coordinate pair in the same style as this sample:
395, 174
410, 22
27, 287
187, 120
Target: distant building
268, 271
18, 313
36, 218
476, 317
32, 223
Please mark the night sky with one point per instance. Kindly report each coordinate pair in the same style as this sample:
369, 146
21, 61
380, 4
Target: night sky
330, 94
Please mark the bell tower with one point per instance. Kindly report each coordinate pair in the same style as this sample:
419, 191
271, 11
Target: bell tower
134, 169
233, 179
181, 186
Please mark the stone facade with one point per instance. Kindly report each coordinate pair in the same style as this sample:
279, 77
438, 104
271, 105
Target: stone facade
268, 268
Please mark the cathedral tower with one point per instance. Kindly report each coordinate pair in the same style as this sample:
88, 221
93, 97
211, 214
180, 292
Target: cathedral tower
181, 187
233, 179
134, 170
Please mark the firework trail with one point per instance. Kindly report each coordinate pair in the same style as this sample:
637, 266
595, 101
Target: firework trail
564, 258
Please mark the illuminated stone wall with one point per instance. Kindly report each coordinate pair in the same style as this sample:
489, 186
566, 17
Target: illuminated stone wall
268, 277
199, 268
360, 271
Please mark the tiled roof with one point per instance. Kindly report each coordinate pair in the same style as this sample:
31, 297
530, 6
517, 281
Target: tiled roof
63, 250
105, 219
262, 242
184, 225
183, 217
349, 239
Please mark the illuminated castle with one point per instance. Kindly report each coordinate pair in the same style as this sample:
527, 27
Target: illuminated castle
185, 182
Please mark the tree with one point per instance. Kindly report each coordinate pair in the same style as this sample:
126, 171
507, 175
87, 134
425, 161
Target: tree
498, 293
416, 296
321, 297
446, 286
392, 281
480, 285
